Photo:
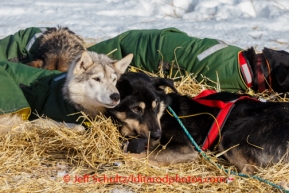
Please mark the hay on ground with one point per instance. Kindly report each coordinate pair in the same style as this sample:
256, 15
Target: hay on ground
57, 159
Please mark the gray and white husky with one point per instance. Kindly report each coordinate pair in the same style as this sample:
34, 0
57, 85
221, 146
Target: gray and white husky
91, 82
90, 86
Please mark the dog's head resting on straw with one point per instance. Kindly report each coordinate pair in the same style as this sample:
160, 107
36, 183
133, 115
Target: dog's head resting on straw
143, 101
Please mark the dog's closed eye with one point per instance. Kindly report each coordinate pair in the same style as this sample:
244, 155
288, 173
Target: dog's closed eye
137, 109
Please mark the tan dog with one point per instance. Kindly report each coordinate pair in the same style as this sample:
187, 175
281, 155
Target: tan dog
57, 49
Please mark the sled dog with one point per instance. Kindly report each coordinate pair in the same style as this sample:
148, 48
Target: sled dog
89, 86
258, 131
57, 48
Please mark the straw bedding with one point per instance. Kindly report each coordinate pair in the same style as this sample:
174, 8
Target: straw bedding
47, 158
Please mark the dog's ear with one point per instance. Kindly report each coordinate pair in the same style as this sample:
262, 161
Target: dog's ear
282, 76
279, 62
121, 65
124, 88
82, 63
161, 83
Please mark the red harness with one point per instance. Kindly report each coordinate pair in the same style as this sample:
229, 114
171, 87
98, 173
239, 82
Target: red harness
225, 108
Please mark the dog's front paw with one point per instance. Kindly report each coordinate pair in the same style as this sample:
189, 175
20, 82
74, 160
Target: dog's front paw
138, 155
137, 145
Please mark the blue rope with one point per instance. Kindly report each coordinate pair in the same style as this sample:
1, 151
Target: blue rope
217, 165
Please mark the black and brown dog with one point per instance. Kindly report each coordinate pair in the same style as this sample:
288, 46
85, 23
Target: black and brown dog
259, 130
270, 69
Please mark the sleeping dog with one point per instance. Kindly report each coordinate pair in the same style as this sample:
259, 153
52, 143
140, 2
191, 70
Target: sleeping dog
257, 131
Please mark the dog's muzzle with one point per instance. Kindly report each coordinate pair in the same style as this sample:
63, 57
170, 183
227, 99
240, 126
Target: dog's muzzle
155, 135
115, 97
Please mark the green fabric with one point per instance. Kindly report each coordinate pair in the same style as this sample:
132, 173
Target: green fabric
41, 90
149, 48
146, 45
11, 97
47, 99
22, 86
11, 76
13, 47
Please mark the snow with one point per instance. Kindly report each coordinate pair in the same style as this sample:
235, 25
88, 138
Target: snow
243, 23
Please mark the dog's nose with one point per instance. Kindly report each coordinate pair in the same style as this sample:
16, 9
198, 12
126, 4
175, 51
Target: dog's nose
115, 97
155, 134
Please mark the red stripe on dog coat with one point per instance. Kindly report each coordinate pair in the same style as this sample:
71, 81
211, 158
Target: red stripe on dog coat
225, 108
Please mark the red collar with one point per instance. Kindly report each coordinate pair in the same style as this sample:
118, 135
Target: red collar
225, 108
260, 76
